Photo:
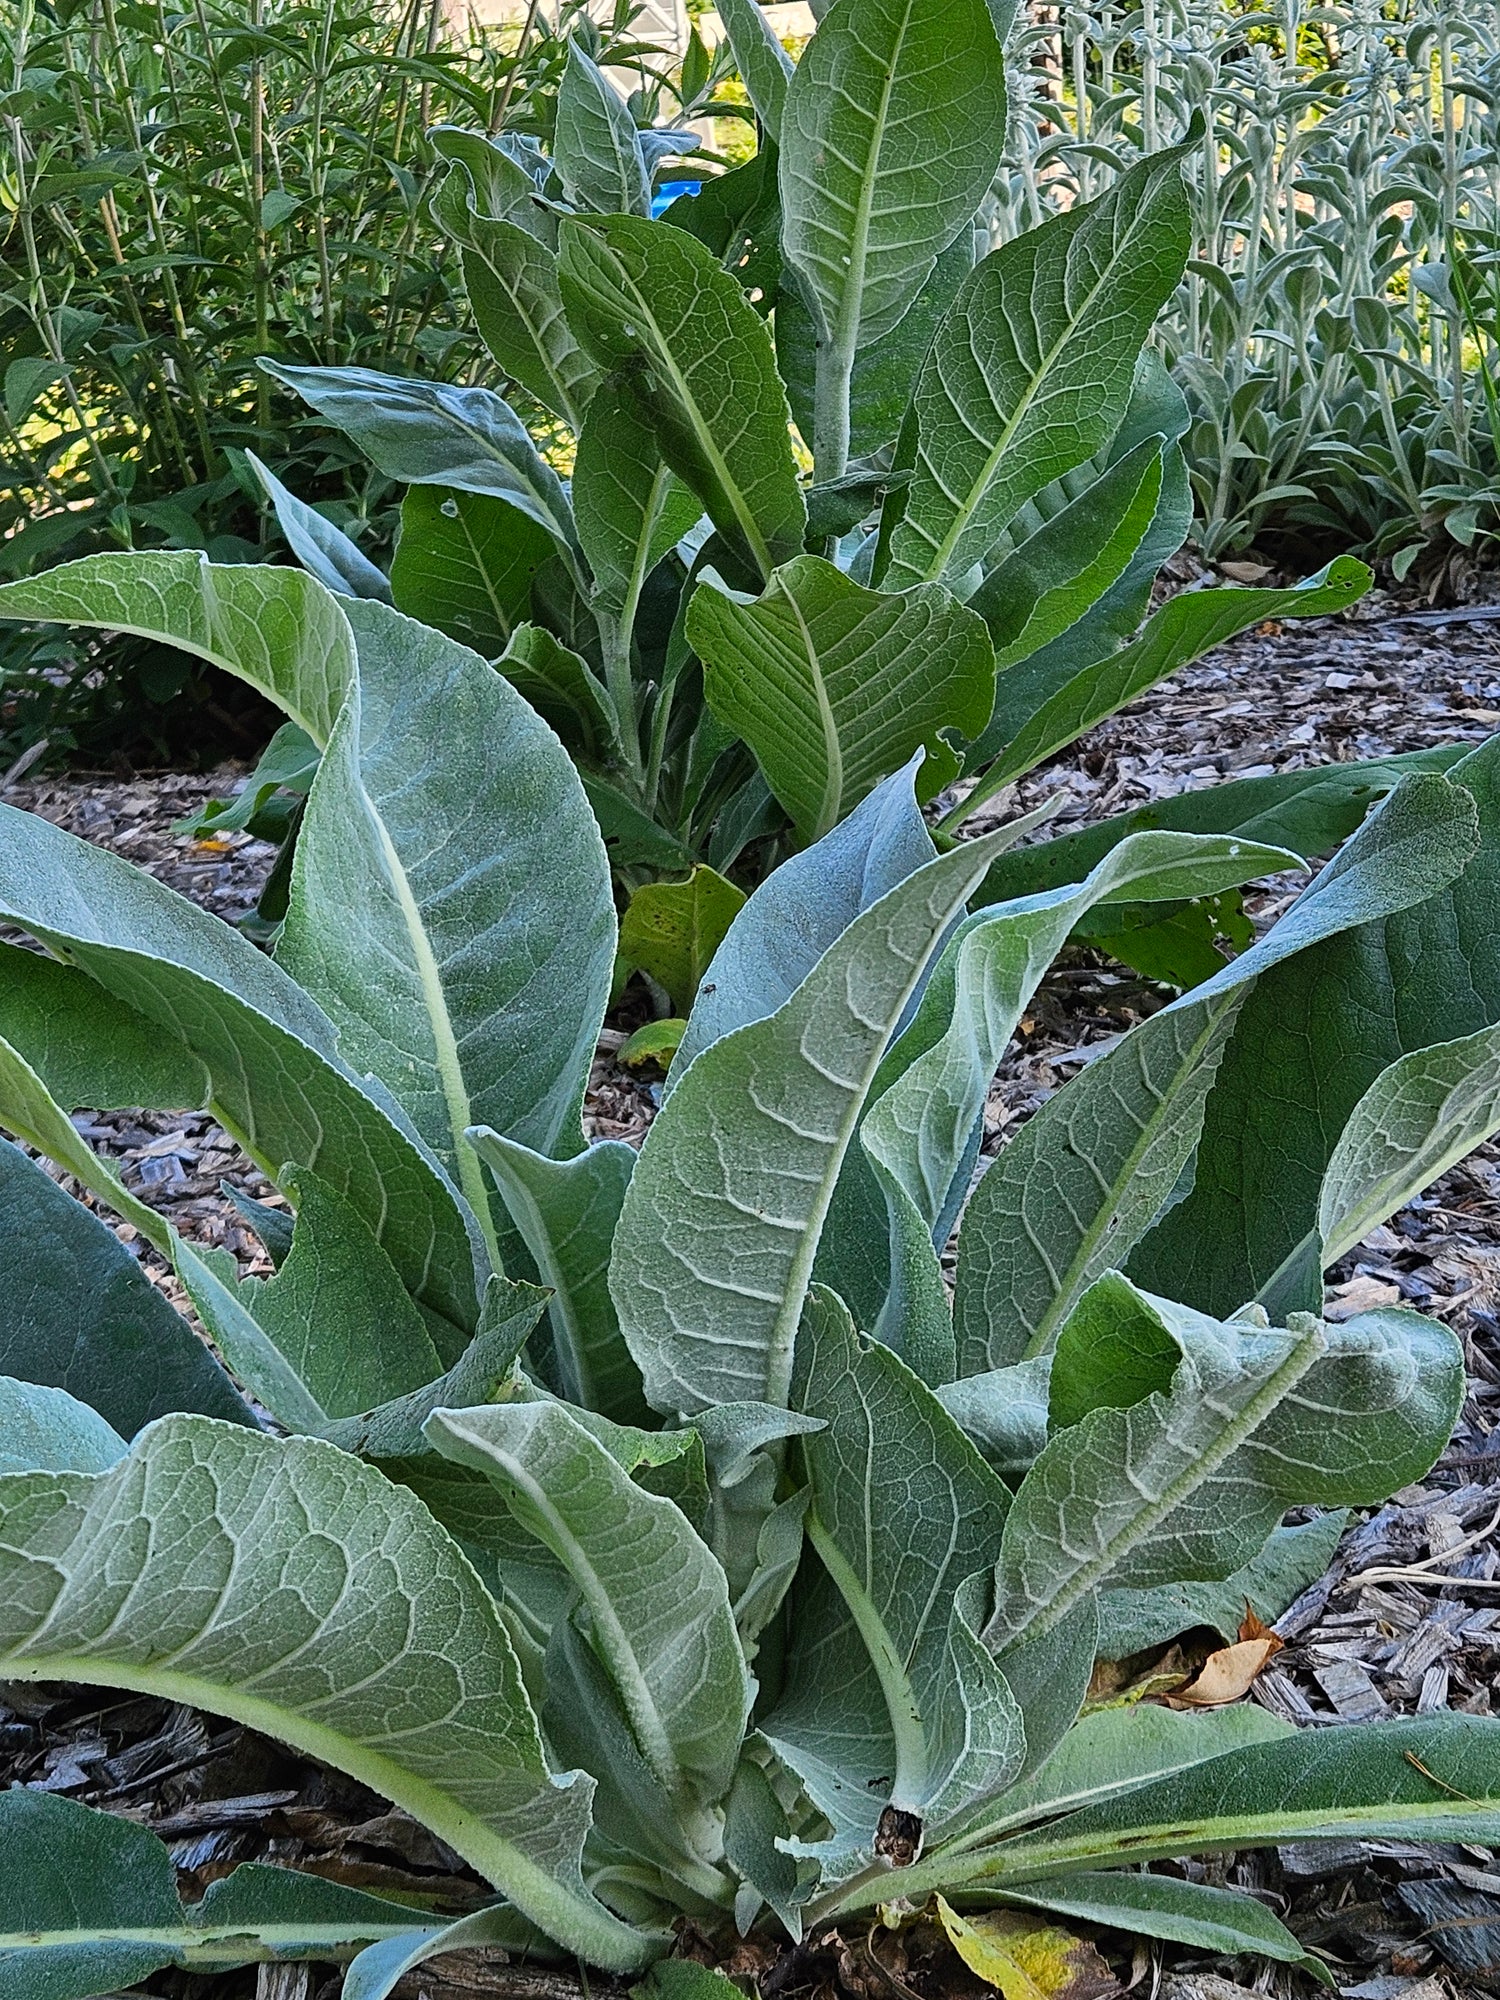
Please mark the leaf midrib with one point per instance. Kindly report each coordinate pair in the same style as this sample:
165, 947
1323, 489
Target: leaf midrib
629, 1675
445, 1041
1037, 1623
667, 361
851, 301
909, 1786
1064, 1298
979, 487
494, 1856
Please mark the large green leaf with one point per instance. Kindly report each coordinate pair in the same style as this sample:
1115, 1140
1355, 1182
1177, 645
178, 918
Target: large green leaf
762, 62
1084, 1179
834, 686
279, 1083
1415, 1779
566, 1212
286, 1585
890, 1700
1067, 564
594, 148
465, 563
277, 628
1179, 1441
720, 1224
1184, 627
91, 1905
1094, 625
893, 127
656, 1601
438, 434
802, 907
631, 510
921, 1136
78, 1312
1325, 1025
655, 303
1311, 812
1417, 1119
510, 276
1032, 368
488, 1004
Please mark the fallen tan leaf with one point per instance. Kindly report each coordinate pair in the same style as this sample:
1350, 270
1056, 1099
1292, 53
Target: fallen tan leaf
1227, 1675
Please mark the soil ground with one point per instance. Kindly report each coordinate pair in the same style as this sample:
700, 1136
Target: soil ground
1394, 1922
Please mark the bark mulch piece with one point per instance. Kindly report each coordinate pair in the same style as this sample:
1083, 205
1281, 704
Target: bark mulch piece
1406, 1621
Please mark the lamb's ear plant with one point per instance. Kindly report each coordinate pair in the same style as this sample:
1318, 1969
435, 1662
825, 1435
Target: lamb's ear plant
843, 481
651, 1526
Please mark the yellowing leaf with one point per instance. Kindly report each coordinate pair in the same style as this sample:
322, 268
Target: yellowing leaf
673, 929
1025, 1959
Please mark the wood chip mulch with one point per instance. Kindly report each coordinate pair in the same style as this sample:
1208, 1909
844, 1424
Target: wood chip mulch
1406, 1621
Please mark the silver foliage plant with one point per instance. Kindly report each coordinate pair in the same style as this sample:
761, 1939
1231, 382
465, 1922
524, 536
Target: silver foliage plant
664, 1530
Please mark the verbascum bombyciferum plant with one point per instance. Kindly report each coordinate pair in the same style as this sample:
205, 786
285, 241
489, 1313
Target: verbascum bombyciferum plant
658, 1528
661, 1529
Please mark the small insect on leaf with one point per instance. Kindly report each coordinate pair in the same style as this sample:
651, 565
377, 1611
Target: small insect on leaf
1025, 1959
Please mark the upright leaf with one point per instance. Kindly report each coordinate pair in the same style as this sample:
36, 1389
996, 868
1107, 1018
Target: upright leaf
800, 909
921, 1136
672, 930
631, 509
1077, 1188
1031, 370
891, 1706
656, 1602
566, 1212
293, 1589
655, 303
595, 147
325, 551
893, 128
721, 1221
466, 563
1325, 1025
762, 62
487, 1008
833, 686
510, 275
1066, 565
